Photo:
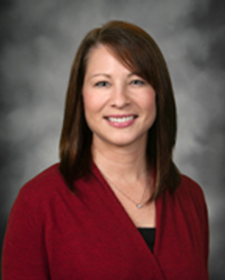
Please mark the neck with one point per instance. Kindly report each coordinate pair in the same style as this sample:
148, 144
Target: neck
126, 164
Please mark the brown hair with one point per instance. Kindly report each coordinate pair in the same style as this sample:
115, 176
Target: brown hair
139, 52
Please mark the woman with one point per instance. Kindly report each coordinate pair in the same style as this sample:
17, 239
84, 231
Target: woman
116, 206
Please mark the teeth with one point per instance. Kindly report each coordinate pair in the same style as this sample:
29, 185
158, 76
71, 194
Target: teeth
120, 120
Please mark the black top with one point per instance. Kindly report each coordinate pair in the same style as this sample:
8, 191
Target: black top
149, 236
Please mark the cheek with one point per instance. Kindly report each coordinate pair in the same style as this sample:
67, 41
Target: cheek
87, 105
92, 108
88, 110
89, 102
149, 103
93, 102
151, 112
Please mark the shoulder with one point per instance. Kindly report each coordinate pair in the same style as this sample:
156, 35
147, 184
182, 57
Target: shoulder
33, 201
48, 175
189, 185
46, 184
190, 190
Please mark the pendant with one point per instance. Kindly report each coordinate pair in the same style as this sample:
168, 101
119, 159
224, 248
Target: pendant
139, 205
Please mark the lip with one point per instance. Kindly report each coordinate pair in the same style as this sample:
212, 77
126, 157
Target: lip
121, 121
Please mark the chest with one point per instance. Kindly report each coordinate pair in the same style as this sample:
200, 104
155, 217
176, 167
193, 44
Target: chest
141, 212
96, 239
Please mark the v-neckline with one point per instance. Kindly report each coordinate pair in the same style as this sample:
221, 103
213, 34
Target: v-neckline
98, 175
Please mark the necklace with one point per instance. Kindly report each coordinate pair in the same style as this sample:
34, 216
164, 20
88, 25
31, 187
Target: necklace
139, 204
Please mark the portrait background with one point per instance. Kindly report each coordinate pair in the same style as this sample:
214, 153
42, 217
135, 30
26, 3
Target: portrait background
39, 41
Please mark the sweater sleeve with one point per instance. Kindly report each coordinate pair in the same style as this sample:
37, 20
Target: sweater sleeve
206, 230
24, 255
203, 216
198, 197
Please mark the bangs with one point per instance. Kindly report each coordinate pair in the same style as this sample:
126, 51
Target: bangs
135, 52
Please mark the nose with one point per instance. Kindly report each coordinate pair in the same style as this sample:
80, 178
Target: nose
120, 97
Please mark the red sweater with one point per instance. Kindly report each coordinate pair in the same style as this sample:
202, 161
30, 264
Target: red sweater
54, 234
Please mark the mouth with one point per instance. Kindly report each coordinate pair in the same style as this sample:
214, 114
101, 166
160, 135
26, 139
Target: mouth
121, 119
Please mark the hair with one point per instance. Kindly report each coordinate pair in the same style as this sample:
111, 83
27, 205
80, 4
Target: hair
137, 51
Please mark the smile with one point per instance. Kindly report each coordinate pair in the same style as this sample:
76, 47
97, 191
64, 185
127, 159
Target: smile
121, 119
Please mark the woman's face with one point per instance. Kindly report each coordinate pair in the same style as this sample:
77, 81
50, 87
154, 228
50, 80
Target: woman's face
119, 105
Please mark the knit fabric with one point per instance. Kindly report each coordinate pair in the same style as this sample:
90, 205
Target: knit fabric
55, 234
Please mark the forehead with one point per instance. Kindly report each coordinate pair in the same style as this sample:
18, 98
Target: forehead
106, 56
98, 50
102, 57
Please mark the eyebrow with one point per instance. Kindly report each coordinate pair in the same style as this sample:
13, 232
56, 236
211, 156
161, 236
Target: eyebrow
100, 74
108, 75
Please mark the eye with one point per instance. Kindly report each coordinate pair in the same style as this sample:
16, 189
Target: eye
102, 84
137, 82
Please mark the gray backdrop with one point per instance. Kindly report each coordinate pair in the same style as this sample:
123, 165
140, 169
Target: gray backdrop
39, 40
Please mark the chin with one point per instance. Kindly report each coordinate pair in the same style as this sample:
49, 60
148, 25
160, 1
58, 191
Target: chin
122, 143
